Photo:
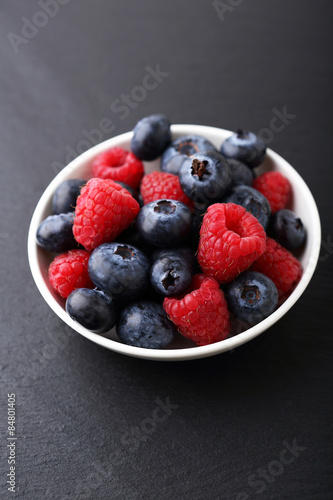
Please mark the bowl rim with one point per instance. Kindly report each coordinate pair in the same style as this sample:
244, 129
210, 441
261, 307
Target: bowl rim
186, 353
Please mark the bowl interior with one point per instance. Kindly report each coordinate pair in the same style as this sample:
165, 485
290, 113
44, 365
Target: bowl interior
302, 203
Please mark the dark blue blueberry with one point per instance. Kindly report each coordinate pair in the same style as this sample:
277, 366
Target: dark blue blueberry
246, 147
197, 219
92, 309
55, 233
240, 173
287, 229
252, 297
180, 149
184, 252
132, 236
145, 324
252, 200
65, 196
164, 223
170, 275
151, 136
119, 270
205, 177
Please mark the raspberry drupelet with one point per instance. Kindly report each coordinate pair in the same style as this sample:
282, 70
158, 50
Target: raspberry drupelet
69, 271
231, 239
103, 210
275, 187
201, 314
118, 165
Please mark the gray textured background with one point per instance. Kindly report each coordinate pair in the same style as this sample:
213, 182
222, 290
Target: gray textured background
83, 412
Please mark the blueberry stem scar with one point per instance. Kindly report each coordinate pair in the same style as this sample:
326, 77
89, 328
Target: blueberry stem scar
199, 168
165, 206
124, 252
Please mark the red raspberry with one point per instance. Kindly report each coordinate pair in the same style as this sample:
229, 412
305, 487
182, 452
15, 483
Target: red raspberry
118, 165
103, 210
69, 271
201, 314
230, 240
275, 187
280, 266
158, 185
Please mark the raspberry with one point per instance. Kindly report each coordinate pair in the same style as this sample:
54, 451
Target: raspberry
69, 271
158, 185
280, 266
231, 239
118, 165
103, 210
275, 187
201, 314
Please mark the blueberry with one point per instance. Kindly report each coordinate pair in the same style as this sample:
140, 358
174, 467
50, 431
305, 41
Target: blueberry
164, 223
205, 177
170, 275
92, 309
65, 196
132, 236
252, 297
145, 324
151, 136
287, 229
252, 200
246, 147
183, 252
240, 173
119, 270
180, 149
55, 233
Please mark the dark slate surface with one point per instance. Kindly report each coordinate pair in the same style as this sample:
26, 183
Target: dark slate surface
256, 422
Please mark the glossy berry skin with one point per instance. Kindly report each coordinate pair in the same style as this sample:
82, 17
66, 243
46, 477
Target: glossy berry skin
253, 201
119, 270
280, 266
287, 229
65, 196
164, 223
180, 149
151, 136
205, 177
231, 239
145, 324
184, 252
246, 147
55, 233
201, 314
170, 275
252, 297
240, 173
92, 309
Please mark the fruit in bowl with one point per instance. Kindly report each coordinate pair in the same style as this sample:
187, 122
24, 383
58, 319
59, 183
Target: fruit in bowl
231, 242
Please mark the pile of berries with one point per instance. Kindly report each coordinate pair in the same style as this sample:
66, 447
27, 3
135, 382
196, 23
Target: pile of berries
194, 249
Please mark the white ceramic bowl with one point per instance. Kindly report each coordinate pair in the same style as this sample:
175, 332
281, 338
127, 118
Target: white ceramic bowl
302, 203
